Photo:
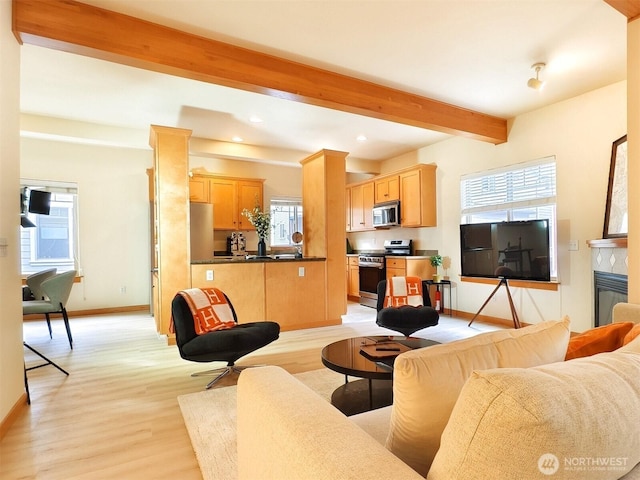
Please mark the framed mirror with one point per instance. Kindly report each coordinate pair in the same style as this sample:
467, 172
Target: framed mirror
616, 213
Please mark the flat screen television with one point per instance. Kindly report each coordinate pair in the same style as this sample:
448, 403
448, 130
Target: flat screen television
39, 202
517, 250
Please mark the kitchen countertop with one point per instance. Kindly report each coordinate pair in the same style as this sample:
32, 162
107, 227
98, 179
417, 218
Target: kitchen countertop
255, 259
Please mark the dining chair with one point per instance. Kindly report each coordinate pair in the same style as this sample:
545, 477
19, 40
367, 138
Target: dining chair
56, 291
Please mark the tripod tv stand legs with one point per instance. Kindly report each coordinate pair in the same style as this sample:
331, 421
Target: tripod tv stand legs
514, 314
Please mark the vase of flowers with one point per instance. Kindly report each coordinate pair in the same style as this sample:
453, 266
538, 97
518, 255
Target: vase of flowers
262, 221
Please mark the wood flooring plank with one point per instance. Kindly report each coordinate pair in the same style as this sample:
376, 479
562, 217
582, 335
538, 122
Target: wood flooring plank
116, 416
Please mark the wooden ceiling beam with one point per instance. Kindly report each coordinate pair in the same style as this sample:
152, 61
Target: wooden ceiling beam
629, 8
78, 28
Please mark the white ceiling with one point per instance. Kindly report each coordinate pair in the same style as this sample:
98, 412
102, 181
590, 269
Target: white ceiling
475, 54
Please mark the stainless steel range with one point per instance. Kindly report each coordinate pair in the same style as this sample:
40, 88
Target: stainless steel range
372, 269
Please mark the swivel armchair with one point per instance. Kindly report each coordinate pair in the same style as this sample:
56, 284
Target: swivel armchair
55, 290
412, 313
226, 345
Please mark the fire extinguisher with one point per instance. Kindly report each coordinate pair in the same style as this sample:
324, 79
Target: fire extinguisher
438, 303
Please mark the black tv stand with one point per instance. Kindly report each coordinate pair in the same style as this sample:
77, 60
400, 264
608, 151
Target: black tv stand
514, 314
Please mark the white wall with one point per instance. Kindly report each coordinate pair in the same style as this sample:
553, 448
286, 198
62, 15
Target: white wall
12, 355
113, 205
579, 132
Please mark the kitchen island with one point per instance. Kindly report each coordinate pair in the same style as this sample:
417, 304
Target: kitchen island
287, 290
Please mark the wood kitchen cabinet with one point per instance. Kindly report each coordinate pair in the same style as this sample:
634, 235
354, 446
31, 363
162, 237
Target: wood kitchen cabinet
387, 189
362, 200
415, 187
243, 282
250, 193
225, 203
410, 267
418, 196
353, 277
229, 196
199, 190
396, 267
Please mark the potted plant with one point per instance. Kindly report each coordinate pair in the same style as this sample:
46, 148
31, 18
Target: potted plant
436, 261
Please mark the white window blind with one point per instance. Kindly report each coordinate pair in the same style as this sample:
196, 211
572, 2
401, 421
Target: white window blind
531, 184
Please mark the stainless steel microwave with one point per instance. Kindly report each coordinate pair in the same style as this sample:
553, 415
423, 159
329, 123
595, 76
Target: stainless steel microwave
386, 214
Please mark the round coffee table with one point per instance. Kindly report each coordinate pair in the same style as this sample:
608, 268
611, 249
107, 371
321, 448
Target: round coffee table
375, 391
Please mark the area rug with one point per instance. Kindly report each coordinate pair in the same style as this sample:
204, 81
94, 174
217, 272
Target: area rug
210, 418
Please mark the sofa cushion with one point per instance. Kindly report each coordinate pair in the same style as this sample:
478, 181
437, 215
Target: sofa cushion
606, 338
427, 381
570, 420
632, 334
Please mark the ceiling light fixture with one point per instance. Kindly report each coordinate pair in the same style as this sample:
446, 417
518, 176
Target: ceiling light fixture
536, 83
361, 138
237, 139
255, 119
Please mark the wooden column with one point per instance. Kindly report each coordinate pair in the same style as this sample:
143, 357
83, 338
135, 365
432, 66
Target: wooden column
171, 206
323, 203
633, 156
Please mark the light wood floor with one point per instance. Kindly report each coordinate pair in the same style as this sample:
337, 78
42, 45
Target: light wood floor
116, 415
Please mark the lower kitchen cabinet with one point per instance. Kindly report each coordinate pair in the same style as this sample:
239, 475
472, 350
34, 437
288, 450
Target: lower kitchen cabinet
293, 294
353, 277
296, 294
243, 283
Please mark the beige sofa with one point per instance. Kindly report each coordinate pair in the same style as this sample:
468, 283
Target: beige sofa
499, 405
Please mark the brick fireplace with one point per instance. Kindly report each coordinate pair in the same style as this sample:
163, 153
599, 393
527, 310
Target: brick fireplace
610, 262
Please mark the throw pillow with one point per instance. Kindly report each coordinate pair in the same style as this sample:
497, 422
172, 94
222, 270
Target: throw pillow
632, 335
606, 338
427, 381
574, 420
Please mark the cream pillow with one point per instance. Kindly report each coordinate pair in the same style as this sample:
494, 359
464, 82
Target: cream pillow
427, 382
578, 419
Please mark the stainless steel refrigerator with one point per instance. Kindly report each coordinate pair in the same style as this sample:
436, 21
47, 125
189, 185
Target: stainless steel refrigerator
201, 227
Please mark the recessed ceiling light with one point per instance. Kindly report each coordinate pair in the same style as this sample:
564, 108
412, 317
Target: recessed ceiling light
237, 139
255, 119
361, 138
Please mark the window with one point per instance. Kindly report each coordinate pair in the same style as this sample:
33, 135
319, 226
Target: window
53, 240
286, 218
525, 191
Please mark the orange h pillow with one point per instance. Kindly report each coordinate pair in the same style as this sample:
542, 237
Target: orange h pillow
606, 338
403, 291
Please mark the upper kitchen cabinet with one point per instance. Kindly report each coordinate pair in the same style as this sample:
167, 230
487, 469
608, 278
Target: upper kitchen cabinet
418, 196
250, 193
199, 189
415, 187
362, 200
229, 196
387, 189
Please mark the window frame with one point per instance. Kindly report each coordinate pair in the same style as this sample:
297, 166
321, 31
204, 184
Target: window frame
280, 202
29, 261
543, 198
